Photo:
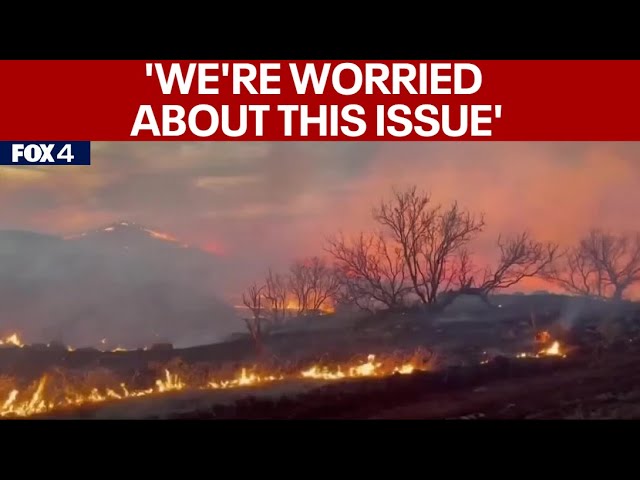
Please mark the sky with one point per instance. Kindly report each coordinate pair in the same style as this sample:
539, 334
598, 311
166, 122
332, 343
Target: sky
265, 204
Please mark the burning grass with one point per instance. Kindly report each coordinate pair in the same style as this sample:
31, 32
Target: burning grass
548, 347
60, 389
12, 340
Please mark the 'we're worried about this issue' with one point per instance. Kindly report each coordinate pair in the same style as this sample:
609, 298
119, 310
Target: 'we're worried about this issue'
341, 100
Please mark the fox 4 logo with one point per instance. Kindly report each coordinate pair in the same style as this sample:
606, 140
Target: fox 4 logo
41, 153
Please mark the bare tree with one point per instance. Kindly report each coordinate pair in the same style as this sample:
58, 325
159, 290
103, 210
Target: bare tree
520, 257
253, 300
275, 294
431, 239
300, 285
576, 273
603, 265
371, 270
313, 283
617, 255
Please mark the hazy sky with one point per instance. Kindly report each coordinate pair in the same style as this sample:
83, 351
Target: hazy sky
266, 203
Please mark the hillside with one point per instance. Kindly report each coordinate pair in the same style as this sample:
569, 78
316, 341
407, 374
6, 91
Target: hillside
124, 282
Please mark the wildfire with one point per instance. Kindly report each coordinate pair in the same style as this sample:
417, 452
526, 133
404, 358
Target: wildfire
325, 308
370, 368
37, 400
243, 380
160, 235
553, 351
12, 339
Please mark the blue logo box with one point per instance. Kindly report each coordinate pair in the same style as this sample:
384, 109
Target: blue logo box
45, 153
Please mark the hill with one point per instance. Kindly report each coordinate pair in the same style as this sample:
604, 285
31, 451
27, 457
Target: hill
123, 282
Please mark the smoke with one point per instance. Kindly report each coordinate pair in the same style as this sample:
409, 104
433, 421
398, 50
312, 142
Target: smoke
581, 311
573, 310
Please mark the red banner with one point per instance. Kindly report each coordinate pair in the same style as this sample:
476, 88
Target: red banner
320, 100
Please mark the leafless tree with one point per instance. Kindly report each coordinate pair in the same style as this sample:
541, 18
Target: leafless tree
430, 237
603, 265
371, 270
253, 300
617, 255
313, 283
576, 273
520, 257
275, 295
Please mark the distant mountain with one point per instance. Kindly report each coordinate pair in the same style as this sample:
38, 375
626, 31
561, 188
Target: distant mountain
123, 282
158, 252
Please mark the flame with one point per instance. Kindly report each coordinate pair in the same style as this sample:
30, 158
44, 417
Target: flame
370, 368
325, 308
553, 351
23, 404
405, 369
12, 339
243, 380
170, 383
160, 235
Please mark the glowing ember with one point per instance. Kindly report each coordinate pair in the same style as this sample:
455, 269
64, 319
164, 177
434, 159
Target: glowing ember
37, 400
12, 339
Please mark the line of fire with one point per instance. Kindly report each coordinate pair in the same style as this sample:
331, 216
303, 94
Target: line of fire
407, 305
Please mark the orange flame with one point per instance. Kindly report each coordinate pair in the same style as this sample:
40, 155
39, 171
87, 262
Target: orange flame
17, 405
13, 340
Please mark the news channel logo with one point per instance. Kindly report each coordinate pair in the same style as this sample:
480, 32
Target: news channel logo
45, 153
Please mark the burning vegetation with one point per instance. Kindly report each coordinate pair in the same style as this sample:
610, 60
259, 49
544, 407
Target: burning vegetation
63, 389
11, 340
553, 350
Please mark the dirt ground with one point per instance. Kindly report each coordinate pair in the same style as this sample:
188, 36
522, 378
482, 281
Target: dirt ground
607, 390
